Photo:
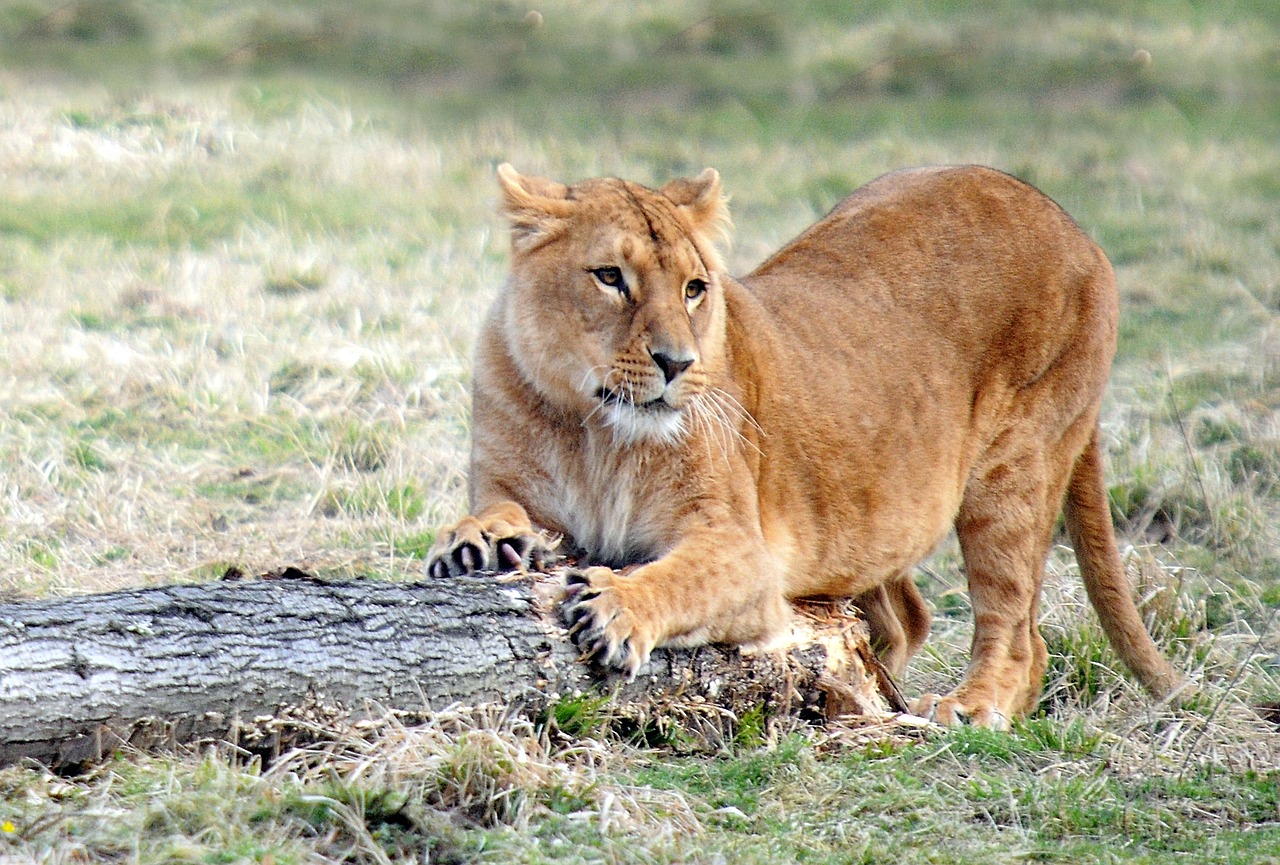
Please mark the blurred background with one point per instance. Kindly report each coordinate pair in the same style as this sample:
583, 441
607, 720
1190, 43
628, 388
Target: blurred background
1115, 107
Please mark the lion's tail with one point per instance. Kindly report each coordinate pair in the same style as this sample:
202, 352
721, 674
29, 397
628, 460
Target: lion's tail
1088, 518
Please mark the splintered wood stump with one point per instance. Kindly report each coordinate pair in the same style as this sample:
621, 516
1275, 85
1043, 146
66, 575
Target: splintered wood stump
82, 676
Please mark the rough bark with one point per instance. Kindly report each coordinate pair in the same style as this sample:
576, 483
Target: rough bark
80, 677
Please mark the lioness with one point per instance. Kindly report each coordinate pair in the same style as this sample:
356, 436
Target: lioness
930, 355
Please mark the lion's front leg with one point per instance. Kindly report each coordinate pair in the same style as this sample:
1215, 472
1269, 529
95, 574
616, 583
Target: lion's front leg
692, 596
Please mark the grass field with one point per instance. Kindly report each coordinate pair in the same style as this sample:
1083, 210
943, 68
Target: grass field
243, 254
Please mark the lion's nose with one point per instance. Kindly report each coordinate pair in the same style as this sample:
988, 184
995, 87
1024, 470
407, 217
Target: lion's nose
671, 366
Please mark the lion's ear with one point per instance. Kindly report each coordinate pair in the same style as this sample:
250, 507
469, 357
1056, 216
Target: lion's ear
700, 197
536, 207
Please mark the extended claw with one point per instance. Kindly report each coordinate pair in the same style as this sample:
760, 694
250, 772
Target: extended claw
577, 619
599, 623
509, 556
469, 557
471, 546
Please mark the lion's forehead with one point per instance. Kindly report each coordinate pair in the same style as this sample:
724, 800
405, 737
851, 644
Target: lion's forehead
644, 255
638, 226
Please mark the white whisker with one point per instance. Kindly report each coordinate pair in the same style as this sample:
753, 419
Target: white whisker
582, 384
731, 403
713, 424
726, 410
728, 429
701, 424
609, 371
599, 405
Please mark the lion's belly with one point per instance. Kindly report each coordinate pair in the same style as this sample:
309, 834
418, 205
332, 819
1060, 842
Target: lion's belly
849, 505
848, 552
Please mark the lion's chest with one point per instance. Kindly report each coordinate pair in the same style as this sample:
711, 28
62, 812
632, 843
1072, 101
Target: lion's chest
610, 505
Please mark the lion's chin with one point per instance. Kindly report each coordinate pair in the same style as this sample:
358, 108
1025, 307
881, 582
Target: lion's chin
650, 423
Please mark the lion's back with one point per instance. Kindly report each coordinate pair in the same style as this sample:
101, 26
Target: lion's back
965, 260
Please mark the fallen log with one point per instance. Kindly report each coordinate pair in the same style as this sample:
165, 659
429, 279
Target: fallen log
81, 677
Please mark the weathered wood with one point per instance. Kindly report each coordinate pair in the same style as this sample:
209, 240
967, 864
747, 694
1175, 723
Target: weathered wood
81, 676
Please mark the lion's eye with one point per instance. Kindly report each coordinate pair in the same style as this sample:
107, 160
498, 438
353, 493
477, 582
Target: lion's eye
610, 276
694, 289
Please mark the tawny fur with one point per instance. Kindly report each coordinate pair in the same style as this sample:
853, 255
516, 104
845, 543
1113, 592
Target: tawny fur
930, 355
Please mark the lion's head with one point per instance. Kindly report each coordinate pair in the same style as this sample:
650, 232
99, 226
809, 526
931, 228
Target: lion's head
615, 308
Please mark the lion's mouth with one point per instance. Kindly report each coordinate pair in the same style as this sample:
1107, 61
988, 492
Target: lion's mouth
632, 422
612, 397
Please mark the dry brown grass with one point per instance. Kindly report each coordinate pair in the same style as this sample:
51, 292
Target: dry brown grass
169, 407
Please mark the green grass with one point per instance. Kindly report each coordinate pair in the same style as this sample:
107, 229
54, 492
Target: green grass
1044, 793
972, 794
244, 252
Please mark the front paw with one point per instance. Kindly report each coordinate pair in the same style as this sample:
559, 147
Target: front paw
600, 622
472, 546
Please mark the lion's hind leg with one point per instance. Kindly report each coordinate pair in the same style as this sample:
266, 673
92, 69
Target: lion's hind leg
898, 620
1005, 527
